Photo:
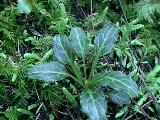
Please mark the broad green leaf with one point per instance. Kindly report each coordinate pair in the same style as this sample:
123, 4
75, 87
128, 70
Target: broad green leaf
24, 6
62, 49
119, 97
79, 41
106, 38
93, 104
52, 71
120, 82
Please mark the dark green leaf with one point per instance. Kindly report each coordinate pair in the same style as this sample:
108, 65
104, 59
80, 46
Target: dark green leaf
119, 97
52, 71
120, 82
62, 49
106, 38
93, 104
79, 41
24, 6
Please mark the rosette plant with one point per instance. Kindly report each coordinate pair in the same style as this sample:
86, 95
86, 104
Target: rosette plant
67, 50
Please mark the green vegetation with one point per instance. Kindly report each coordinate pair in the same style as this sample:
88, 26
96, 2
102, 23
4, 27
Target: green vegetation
79, 59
